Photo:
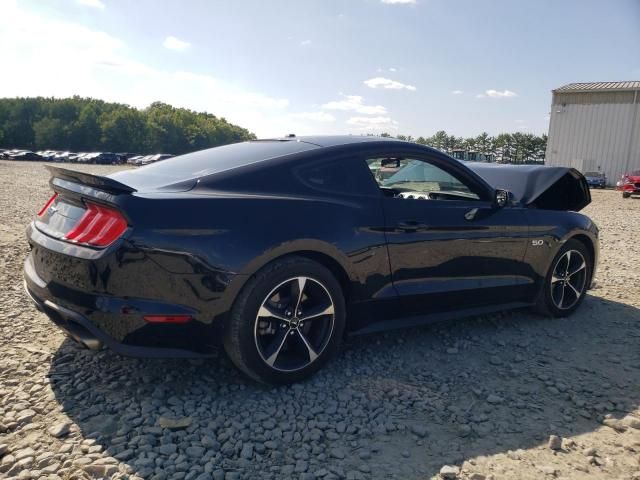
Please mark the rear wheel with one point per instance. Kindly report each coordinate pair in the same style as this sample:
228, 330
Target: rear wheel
567, 280
287, 322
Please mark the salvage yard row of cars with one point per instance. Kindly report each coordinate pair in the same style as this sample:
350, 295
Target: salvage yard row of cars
99, 158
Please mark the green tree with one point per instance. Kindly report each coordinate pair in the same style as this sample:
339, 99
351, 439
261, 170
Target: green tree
86, 124
121, 129
49, 131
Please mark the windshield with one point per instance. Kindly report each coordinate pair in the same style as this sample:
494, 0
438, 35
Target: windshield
592, 174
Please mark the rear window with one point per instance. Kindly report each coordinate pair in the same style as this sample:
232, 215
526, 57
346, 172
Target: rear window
206, 162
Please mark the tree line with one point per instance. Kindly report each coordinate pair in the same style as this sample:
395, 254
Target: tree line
86, 124
507, 147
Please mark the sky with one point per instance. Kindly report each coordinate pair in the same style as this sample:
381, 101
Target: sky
276, 67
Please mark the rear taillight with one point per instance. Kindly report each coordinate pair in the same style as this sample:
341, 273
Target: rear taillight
98, 227
47, 205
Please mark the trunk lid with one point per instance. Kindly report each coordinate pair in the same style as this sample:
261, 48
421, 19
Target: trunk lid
83, 209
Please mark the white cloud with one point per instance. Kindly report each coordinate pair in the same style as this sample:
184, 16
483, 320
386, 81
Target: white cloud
391, 69
305, 43
456, 92
173, 43
91, 63
373, 123
387, 83
398, 2
91, 3
314, 116
354, 103
497, 94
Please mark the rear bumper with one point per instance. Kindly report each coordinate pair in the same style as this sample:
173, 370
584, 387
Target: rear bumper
192, 340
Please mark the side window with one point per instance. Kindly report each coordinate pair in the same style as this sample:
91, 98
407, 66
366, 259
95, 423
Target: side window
344, 175
409, 178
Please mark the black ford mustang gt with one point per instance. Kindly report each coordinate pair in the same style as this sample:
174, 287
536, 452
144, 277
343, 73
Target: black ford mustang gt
278, 247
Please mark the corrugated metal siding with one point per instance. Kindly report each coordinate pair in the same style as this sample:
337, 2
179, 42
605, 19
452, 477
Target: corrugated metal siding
589, 98
588, 136
586, 87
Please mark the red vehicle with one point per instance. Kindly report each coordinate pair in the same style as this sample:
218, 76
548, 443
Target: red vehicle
631, 184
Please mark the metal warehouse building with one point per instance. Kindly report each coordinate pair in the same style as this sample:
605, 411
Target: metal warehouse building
595, 127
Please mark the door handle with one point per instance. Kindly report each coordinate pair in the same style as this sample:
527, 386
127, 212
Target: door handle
411, 226
471, 214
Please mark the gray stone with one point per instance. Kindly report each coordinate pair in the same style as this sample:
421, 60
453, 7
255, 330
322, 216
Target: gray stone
555, 442
247, 451
24, 453
168, 448
450, 472
301, 466
194, 451
338, 453
174, 423
25, 416
495, 360
100, 471
60, 429
419, 430
218, 474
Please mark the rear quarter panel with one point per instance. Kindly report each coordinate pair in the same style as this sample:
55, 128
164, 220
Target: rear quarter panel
237, 235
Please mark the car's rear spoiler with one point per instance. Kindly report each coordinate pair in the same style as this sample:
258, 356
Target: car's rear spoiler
105, 184
538, 186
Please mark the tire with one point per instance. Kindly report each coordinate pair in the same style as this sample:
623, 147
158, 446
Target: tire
555, 285
268, 340
626, 195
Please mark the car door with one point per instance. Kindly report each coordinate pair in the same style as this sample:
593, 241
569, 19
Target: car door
449, 246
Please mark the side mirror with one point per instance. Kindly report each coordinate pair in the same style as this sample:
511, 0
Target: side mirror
501, 198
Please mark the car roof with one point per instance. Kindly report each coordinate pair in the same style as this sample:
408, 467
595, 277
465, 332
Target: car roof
331, 140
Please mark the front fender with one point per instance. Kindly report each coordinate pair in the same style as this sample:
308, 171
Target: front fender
549, 231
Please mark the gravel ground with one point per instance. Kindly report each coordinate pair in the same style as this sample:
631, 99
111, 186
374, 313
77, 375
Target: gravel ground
505, 396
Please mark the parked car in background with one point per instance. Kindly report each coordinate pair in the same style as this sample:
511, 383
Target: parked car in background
596, 179
124, 157
61, 156
134, 160
8, 153
630, 184
107, 158
155, 158
49, 155
25, 155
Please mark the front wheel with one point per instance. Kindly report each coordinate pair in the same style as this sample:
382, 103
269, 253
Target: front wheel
567, 280
626, 194
287, 322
